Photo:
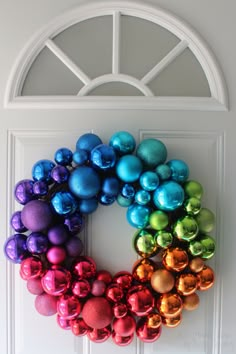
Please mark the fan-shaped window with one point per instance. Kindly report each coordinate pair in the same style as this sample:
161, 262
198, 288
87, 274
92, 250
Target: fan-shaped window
117, 55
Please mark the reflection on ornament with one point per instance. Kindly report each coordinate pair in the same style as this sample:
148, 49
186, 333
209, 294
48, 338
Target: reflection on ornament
175, 259
170, 305
145, 333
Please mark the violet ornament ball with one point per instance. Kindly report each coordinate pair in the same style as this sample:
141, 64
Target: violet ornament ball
58, 234
37, 242
74, 247
74, 222
37, 215
15, 248
24, 191
16, 222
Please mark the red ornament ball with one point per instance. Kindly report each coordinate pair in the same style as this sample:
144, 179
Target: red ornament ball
79, 327
121, 341
104, 275
97, 313
46, 304
124, 326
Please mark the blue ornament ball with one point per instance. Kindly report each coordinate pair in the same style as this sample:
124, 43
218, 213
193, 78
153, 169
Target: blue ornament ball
88, 206
123, 143
64, 203
103, 157
63, 156
163, 171
149, 181
128, 191
16, 222
15, 248
142, 197
88, 141
106, 199
111, 186
84, 182
37, 242
138, 215
41, 170
151, 152
40, 188
179, 170
129, 168
168, 196
60, 174
80, 157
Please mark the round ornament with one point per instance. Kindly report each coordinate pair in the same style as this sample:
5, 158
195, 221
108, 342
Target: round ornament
171, 238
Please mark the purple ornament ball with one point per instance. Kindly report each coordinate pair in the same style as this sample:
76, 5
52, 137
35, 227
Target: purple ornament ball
37, 242
74, 247
15, 248
40, 188
16, 222
58, 234
60, 174
24, 191
37, 215
75, 223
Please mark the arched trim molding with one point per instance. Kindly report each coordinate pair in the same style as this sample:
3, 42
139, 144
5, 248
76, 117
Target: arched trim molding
188, 38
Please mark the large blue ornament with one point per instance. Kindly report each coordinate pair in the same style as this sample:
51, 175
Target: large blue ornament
179, 170
138, 215
149, 181
84, 182
88, 206
152, 152
88, 141
103, 157
123, 143
41, 170
129, 168
64, 203
63, 156
168, 196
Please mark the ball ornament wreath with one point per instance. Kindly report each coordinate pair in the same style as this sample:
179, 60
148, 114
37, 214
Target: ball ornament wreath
172, 238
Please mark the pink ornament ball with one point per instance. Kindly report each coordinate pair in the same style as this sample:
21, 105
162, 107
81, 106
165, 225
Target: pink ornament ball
105, 276
37, 215
98, 288
81, 288
56, 281
56, 255
64, 323
34, 286
31, 267
124, 326
68, 307
97, 313
46, 304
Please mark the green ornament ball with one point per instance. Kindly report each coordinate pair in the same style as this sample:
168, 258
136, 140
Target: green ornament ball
158, 220
164, 239
205, 220
186, 228
193, 189
208, 245
195, 248
144, 243
192, 205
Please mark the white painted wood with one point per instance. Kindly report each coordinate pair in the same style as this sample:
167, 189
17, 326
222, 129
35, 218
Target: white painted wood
116, 43
67, 61
145, 11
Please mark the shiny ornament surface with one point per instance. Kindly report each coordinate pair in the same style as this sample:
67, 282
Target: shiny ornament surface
186, 228
208, 246
120, 310
37, 215
63, 156
168, 196
142, 197
104, 275
84, 182
153, 320
140, 300
64, 323
149, 181
24, 191
206, 278
16, 222
162, 281
123, 279
186, 284
196, 264
40, 188
41, 171
172, 322
37, 242
193, 189
170, 305
158, 220
60, 174
122, 341
79, 327
144, 243
88, 141
99, 335
64, 203
97, 312
175, 259
114, 293
143, 270
164, 239
68, 307
191, 302
151, 152
15, 248
128, 191
103, 157
56, 255
192, 205
124, 326
195, 248
56, 281
138, 215
31, 267
74, 223
84, 267
123, 201
179, 170
145, 333
123, 143
129, 168
81, 288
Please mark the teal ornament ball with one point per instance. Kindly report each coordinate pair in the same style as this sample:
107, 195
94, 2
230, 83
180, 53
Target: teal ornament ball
138, 215
123, 143
149, 181
179, 170
124, 201
129, 168
142, 197
168, 196
84, 182
163, 171
151, 152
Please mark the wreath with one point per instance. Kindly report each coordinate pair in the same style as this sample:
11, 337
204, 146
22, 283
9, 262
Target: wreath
172, 238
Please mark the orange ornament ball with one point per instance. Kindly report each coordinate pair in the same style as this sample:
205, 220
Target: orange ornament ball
162, 281
191, 302
205, 278
143, 270
186, 284
196, 264
97, 312
170, 305
175, 259
172, 321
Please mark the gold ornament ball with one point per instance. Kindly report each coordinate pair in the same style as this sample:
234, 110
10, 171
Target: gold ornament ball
196, 264
205, 220
186, 284
162, 281
170, 305
191, 302
175, 259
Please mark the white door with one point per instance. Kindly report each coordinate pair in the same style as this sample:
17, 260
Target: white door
198, 131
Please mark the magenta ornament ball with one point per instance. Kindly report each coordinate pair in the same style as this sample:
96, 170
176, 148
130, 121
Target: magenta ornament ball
56, 281
68, 306
56, 255
37, 215
46, 304
34, 286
